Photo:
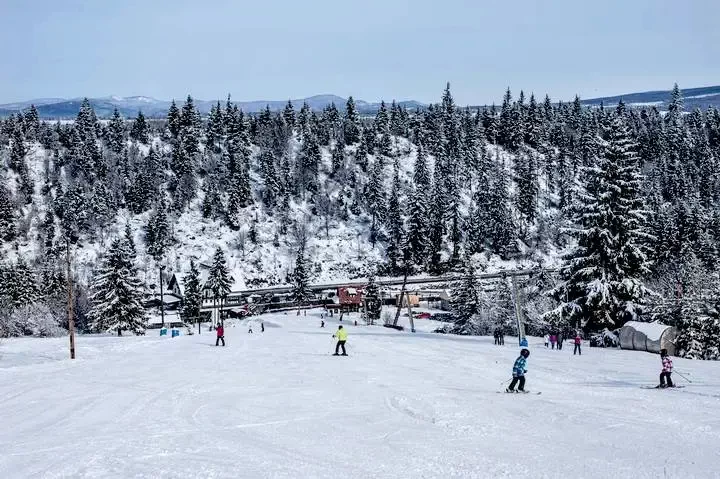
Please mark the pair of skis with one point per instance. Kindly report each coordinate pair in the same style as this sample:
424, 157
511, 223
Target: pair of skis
662, 387
519, 392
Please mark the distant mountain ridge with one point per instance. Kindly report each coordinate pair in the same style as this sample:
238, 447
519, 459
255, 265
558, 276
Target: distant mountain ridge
693, 98
60, 108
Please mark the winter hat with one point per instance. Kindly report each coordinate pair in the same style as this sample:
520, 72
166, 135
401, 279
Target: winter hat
524, 343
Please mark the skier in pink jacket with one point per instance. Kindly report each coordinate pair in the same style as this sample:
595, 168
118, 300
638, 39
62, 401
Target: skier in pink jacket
667, 366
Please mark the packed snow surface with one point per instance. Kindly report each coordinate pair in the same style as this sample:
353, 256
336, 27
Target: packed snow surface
403, 405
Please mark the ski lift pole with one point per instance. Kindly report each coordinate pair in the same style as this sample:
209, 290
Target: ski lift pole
518, 319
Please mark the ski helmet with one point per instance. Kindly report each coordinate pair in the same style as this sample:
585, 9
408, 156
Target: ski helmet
525, 352
340, 327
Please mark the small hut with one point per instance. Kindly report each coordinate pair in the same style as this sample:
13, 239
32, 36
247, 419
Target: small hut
650, 337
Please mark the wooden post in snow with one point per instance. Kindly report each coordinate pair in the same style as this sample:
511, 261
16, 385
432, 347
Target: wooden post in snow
410, 314
400, 298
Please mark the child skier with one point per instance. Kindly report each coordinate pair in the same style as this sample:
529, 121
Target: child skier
341, 336
667, 366
220, 335
519, 370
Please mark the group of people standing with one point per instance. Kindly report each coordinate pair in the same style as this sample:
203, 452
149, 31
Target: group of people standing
499, 335
555, 338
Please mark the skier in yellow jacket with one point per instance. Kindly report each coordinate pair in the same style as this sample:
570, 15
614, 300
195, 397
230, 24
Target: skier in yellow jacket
341, 336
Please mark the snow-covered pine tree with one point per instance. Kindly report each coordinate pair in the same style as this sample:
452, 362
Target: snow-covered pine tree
24, 288
604, 286
130, 240
270, 178
117, 294
308, 165
190, 127
173, 120
215, 129
337, 159
691, 341
300, 279
116, 132
351, 123
140, 131
396, 246
375, 199
417, 238
192, 300
711, 333
239, 192
289, 115
8, 226
372, 300
382, 120
466, 303
219, 281
500, 229
18, 150
158, 236
526, 195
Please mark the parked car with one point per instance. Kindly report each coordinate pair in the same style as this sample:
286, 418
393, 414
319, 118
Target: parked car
423, 315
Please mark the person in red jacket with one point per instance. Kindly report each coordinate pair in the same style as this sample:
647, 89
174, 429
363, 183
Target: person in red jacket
220, 335
578, 342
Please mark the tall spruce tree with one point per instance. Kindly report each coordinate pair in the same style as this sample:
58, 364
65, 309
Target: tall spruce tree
419, 207
466, 303
158, 237
192, 300
351, 123
604, 286
8, 226
140, 131
117, 294
219, 281
301, 280
116, 132
396, 247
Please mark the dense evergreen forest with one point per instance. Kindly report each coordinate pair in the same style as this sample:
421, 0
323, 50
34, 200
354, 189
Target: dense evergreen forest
625, 201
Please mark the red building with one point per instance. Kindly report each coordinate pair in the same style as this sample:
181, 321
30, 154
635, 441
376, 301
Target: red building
350, 299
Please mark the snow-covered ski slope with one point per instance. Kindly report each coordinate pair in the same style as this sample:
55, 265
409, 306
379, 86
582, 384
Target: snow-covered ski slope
403, 405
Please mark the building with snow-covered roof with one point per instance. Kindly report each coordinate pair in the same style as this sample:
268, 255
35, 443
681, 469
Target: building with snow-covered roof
650, 337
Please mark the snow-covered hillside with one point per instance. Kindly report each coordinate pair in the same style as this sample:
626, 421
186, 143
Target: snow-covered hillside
403, 405
627, 201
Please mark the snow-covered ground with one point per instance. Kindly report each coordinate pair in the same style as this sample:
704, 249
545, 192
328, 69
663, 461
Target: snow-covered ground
402, 405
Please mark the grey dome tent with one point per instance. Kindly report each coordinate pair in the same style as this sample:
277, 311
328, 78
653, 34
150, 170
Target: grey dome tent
650, 337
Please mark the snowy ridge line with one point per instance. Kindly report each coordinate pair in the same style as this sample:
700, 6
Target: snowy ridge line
400, 280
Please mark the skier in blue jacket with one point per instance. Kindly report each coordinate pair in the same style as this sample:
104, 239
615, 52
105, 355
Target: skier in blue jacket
519, 370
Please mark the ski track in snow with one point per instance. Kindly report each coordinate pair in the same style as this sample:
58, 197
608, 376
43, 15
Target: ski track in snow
277, 405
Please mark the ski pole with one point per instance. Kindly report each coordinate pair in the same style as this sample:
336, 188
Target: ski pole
686, 379
505, 382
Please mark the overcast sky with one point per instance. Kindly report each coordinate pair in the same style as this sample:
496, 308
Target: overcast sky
372, 49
